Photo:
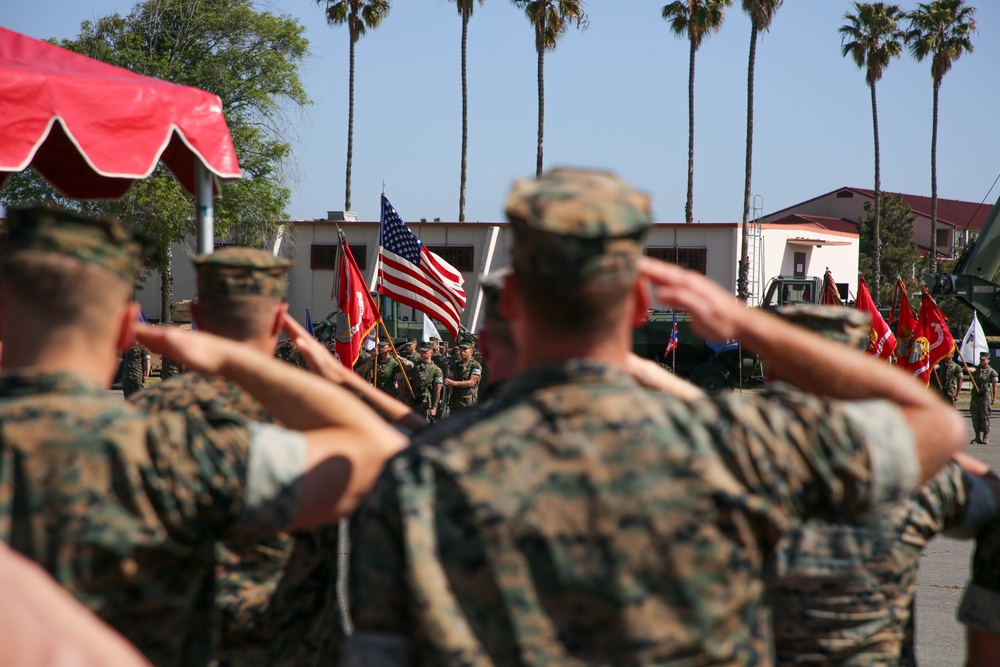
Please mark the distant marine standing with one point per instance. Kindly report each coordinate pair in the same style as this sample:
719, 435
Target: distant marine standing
984, 393
464, 384
135, 369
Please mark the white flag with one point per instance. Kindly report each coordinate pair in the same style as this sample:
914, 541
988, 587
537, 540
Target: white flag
973, 342
430, 330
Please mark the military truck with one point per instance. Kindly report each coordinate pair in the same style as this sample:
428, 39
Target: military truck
715, 365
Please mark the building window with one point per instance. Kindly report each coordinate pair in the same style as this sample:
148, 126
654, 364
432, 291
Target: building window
323, 256
695, 259
799, 265
845, 194
462, 257
943, 241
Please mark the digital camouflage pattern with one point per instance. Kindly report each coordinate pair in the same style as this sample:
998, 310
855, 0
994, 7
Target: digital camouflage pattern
844, 325
276, 594
573, 227
843, 590
133, 369
980, 404
123, 509
104, 242
238, 271
947, 378
465, 397
580, 519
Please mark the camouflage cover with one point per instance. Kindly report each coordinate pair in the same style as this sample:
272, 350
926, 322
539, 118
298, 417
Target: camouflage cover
237, 271
104, 242
576, 227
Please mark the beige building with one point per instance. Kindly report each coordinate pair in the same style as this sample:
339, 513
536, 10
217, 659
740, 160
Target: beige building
958, 221
800, 248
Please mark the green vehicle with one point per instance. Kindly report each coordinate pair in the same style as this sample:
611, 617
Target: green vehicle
717, 365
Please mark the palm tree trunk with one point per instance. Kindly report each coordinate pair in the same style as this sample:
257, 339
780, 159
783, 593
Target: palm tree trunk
934, 202
876, 233
541, 106
743, 282
350, 127
689, 203
465, 121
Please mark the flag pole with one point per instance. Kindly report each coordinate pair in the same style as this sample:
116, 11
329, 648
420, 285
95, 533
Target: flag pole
395, 354
965, 365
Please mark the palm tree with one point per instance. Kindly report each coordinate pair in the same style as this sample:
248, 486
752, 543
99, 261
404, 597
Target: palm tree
942, 30
872, 37
465, 8
695, 20
360, 16
761, 14
551, 19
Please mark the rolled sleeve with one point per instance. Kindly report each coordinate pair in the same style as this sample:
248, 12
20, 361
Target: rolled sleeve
274, 473
891, 448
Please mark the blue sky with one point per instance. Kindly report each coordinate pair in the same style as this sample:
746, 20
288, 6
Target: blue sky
616, 98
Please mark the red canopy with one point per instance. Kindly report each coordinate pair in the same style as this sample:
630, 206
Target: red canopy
90, 128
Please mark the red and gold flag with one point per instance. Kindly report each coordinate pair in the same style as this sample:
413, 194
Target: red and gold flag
881, 341
932, 340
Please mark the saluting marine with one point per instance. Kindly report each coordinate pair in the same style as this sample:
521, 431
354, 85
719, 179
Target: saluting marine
275, 593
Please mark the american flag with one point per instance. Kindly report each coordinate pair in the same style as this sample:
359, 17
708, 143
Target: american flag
412, 275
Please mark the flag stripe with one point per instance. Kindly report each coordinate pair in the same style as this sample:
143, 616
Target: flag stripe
414, 276
402, 274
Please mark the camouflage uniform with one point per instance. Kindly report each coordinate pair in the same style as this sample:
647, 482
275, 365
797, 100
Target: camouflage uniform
947, 378
385, 375
133, 369
424, 378
581, 519
843, 591
465, 397
276, 594
123, 509
980, 405
169, 368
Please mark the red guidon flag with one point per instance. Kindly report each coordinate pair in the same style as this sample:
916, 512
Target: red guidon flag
932, 341
357, 313
905, 326
881, 342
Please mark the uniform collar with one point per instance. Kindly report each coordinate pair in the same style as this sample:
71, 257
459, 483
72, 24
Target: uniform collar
30, 382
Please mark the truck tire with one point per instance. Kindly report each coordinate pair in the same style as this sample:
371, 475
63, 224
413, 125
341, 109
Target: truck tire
711, 377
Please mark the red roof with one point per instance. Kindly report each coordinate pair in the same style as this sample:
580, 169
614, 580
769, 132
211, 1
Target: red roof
958, 213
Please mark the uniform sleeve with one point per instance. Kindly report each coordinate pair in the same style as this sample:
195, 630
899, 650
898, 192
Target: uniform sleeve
802, 456
954, 502
276, 465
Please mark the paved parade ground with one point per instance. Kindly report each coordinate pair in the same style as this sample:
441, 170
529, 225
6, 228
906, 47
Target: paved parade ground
944, 572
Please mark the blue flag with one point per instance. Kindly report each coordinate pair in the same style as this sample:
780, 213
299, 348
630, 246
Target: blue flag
309, 323
720, 346
142, 318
